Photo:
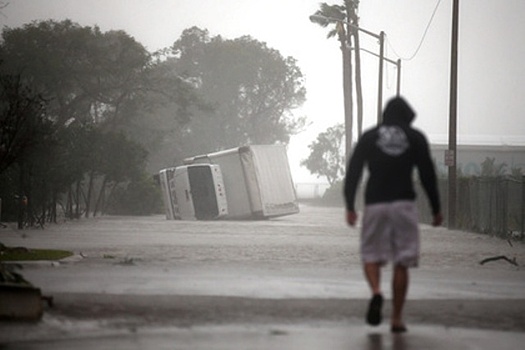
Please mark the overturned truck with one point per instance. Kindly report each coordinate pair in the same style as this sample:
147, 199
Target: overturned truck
249, 182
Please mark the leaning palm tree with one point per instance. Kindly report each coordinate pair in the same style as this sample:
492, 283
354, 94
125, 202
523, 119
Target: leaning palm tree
338, 15
335, 15
352, 7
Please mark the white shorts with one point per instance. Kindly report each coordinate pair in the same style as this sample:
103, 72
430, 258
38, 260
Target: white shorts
390, 233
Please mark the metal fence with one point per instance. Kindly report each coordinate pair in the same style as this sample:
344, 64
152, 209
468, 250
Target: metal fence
492, 205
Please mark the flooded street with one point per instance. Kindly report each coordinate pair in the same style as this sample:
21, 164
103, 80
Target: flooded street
142, 274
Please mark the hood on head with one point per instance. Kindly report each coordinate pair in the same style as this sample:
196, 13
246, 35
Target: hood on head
398, 111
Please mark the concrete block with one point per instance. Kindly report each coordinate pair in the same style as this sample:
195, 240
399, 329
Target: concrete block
20, 302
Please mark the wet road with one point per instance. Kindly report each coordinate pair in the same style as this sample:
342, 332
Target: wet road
142, 283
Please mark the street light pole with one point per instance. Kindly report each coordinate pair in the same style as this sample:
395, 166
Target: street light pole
451, 157
398, 87
380, 82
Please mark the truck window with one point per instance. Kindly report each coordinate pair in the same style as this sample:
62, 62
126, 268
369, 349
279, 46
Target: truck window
203, 192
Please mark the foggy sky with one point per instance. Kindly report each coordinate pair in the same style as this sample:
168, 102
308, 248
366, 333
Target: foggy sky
491, 54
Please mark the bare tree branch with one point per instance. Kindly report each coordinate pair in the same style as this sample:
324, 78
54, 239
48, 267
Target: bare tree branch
501, 257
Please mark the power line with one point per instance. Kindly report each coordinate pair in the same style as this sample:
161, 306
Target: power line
422, 38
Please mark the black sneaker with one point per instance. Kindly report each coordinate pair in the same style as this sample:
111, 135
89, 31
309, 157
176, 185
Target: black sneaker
373, 316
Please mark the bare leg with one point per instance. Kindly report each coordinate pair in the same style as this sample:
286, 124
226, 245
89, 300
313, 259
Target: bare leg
399, 288
373, 276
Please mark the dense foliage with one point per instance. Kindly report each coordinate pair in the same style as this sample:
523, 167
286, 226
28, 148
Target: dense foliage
251, 90
87, 117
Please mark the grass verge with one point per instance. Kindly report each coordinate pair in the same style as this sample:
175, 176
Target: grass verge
25, 254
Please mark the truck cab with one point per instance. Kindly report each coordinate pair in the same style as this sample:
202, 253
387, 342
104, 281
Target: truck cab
194, 192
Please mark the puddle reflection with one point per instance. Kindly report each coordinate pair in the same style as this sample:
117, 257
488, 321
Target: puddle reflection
378, 341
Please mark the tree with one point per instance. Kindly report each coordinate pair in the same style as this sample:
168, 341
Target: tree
337, 15
516, 173
157, 120
138, 197
92, 77
489, 168
120, 160
327, 154
251, 90
22, 115
24, 128
95, 85
86, 74
352, 7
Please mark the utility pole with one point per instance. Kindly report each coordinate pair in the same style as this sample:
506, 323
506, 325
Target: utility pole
380, 82
451, 155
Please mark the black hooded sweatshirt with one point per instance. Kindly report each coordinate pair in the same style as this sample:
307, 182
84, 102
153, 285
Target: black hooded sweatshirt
391, 151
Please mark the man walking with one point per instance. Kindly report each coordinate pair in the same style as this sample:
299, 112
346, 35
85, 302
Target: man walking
391, 151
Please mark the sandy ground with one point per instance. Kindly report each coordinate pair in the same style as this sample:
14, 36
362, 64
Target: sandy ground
136, 273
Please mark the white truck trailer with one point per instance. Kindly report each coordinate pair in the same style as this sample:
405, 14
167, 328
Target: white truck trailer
257, 183
257, 180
